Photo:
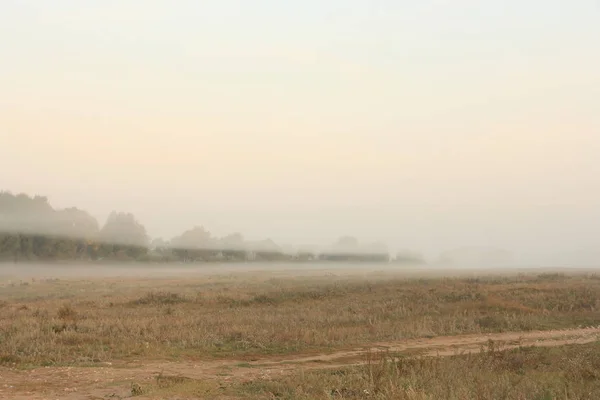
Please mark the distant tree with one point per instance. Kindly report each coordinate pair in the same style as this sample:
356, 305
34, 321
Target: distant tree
22, 204
122, 228
348, 248
160, 250
196, 244
233, 241
346, 243
195, 238
233, 247
10, 246
24, 214
76, 223
159, 244
30, 229
344, 249
265, 250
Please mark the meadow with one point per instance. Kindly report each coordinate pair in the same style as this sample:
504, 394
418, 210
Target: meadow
250, 317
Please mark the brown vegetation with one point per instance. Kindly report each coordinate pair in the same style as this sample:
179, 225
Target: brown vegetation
67, 322
568, 372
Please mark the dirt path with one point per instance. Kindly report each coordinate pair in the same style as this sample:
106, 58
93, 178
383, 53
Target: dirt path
114, 381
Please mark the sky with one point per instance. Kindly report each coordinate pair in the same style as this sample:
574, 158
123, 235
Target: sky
426, 124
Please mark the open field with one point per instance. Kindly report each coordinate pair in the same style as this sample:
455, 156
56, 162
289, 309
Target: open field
293, 334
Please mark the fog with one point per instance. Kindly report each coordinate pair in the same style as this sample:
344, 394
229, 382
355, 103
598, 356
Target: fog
18, 273
433, 128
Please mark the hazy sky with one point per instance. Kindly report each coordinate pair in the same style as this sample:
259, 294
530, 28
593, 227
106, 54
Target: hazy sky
426, 124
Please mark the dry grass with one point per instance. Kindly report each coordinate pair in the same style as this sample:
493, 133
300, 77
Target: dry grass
66, 322
568, 372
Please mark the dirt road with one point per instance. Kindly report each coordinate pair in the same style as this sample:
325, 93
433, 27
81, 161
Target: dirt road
114, 381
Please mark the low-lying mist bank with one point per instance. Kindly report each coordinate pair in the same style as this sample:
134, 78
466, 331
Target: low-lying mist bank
174, 270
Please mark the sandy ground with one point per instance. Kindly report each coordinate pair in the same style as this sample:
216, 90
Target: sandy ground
114, 381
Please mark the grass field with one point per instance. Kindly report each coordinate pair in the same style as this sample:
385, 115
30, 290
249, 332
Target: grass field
254, 316
568, 372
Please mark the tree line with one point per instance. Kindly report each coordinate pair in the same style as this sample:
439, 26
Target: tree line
31, 229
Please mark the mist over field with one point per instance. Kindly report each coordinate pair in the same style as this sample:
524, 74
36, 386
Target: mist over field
432, 133
301, 200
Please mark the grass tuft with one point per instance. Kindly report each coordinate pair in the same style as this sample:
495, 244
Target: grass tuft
160, 298
67, 312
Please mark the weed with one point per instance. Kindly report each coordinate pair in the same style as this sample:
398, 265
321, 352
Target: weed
136, 389
6, 359
66, 312
160, 298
